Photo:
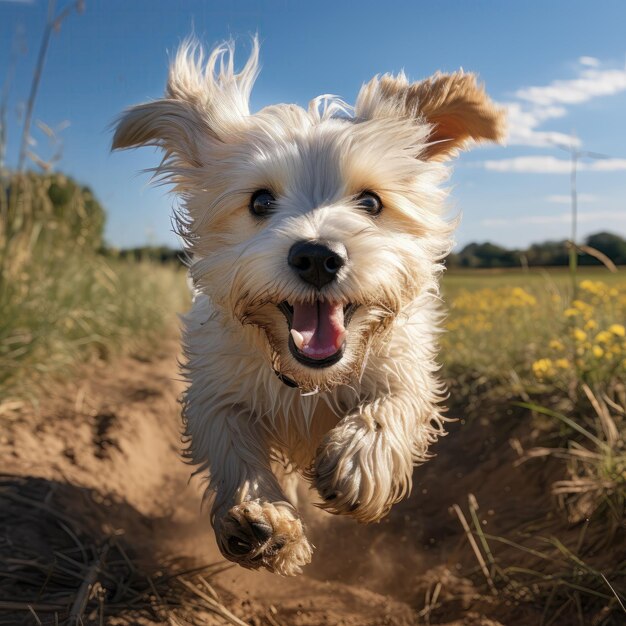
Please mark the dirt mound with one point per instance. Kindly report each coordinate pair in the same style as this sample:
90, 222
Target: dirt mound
99, 519
100, 523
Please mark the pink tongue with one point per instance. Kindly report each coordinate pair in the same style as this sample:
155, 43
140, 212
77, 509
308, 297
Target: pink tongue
321, 327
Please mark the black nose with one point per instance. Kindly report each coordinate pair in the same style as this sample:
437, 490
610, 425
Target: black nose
317, 262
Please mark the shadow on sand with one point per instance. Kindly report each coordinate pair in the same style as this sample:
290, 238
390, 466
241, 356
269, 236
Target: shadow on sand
64, 559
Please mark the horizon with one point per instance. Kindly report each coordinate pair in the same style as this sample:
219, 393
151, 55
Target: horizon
457, 249
115, 55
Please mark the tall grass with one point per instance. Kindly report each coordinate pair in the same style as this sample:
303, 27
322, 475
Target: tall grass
530, 341
62, 303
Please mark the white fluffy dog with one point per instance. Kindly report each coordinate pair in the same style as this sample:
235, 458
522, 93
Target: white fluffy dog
316, 238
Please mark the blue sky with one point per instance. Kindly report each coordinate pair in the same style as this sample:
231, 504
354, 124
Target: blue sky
559, 66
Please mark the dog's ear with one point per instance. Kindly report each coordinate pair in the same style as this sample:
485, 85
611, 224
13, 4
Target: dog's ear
454, 105
169, 124
203, 102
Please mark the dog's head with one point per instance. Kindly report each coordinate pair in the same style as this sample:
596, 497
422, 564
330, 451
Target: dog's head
317, 227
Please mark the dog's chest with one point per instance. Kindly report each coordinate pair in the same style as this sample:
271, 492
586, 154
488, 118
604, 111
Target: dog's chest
297, 436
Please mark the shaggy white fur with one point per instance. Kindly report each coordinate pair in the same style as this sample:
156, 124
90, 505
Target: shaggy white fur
260, 398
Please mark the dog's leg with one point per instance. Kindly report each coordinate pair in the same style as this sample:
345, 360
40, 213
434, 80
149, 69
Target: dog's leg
254, 523
364, 465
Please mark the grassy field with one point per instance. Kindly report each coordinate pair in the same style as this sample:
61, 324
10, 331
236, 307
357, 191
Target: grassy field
61, 302
544, 367
522, 347
540, 277
528, 330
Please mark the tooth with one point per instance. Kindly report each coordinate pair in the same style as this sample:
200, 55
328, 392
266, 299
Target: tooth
298, 339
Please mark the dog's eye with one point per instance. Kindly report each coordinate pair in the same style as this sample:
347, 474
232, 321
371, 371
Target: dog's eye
370, 202
262, 203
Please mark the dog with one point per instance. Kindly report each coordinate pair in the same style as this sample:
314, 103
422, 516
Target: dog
316, 238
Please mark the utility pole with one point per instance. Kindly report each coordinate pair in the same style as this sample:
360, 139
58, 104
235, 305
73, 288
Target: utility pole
575, 155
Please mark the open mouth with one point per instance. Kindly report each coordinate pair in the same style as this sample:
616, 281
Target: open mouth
317, 331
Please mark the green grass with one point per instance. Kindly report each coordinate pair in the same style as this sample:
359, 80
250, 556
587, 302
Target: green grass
533, 278
61, 303
62, 314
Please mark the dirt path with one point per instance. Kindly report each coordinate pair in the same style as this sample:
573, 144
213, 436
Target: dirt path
105, 450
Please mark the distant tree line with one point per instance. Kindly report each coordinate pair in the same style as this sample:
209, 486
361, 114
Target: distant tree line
548, 253
474, 255
157, 254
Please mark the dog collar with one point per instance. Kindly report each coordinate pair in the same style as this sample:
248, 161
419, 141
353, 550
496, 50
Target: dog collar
285, 379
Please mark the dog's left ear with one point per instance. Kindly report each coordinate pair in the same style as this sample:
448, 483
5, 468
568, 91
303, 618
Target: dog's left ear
455, 106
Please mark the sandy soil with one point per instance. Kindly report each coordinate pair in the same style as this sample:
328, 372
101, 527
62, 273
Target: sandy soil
104, 451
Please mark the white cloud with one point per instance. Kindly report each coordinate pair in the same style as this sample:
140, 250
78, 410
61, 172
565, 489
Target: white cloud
530, 165
534, 106
560, 218
566, 198
589, 61
523, 123
552, 165
605, 165
591, 83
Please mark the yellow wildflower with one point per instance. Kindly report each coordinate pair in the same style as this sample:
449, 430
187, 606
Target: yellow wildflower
617, 329
604, 337
591, 325
562, 364
555, 344
594, 287
542, 368
520, 297
571, 312
598, 352
579, 335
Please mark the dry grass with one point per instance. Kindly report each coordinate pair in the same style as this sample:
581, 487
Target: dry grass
595, 463
561, 358
60, 301
574, 578
86, 572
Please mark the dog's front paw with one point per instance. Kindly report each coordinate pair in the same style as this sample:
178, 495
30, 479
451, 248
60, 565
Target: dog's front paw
359, 472
256, 534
